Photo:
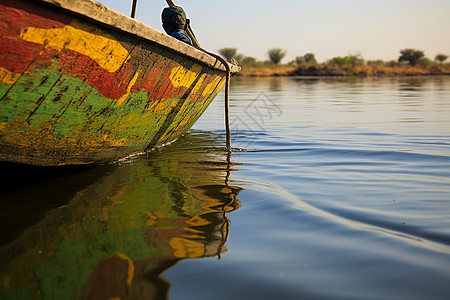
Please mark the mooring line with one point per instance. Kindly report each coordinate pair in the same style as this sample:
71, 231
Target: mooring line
190, 32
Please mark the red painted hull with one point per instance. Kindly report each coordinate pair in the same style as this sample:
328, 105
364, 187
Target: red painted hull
78, 91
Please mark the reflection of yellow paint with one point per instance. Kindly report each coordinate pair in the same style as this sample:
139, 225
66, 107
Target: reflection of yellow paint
130, 268
185, 248
198, 221
87, 40
182, 77
7, 76
154, 217
5, 283
130, 85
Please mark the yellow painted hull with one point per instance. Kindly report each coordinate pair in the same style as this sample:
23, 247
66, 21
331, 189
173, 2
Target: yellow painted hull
78, 91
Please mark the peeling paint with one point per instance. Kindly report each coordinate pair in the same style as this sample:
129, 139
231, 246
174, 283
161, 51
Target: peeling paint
87, 94
87, 40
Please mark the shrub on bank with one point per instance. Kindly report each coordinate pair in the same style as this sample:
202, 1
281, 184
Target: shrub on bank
411, 62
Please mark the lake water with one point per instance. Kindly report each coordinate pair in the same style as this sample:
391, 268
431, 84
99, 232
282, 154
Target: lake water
335, 189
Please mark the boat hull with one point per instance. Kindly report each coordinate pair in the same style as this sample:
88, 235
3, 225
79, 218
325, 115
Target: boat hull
78, 91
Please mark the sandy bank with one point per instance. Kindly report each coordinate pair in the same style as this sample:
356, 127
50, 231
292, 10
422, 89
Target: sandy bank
335, 70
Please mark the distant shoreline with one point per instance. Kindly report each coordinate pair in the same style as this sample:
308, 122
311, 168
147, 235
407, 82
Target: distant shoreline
343, 71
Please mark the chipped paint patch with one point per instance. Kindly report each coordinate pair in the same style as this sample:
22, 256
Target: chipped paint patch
212, 86
127, 93
87, 40
182, 77
7, 76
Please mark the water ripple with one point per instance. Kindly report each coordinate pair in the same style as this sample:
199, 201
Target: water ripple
366, 220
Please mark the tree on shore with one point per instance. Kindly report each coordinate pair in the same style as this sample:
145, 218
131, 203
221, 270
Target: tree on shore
248, 60
349, 61
440, 57
308, 58
228, 53
412, 56
276, 55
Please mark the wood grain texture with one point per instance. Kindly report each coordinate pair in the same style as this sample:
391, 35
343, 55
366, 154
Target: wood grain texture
77, 92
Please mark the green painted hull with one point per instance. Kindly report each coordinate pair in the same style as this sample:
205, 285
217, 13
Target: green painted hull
78, 91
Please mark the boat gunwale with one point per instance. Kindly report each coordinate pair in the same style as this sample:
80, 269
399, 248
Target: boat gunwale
99, 13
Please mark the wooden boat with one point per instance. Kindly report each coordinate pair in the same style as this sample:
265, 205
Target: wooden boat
81, 83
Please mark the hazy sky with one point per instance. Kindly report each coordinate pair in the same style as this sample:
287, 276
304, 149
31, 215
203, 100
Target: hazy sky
376, 29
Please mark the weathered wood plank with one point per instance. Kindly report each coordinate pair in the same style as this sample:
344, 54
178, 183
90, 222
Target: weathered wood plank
84, 92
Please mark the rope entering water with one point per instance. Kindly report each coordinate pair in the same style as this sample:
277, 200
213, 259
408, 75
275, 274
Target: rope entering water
227, 97
190, 32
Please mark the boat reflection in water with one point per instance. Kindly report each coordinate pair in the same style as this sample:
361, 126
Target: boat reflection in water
115, 237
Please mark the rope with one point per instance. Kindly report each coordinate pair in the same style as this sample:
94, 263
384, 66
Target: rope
133, 9
190, 32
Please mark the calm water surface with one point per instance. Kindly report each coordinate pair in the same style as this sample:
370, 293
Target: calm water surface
336, 189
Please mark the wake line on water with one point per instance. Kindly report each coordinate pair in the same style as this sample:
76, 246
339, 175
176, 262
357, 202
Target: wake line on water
398, 155
417, 240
